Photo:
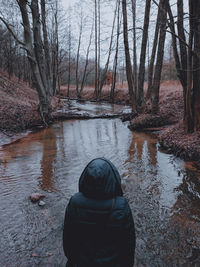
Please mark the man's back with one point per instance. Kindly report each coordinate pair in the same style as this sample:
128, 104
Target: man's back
99, 232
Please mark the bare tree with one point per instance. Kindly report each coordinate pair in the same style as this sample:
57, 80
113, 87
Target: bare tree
69, 50
129, 72
35, 52
116, 54
86, 62
104, 75
153, 55
96, 49
182, 46
196, 70
78, 55
55, 47
135, 71
46, 48
192, 116
160, 54
140, 94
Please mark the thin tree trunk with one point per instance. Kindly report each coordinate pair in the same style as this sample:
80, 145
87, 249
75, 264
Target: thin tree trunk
181, 73
37, 59
116, 54
159, 62
153, 55
129, 72
99, 47
96, 51
104, 75
69, 57
182, 48
196, 70
141, 75
55, 49
46, 48
135, 78
36, 56
86, 62
77, 60
188, 115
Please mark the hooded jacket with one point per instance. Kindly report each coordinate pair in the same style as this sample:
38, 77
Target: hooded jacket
98, 226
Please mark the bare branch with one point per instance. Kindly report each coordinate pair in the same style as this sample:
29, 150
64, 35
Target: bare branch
11, 31
178, 37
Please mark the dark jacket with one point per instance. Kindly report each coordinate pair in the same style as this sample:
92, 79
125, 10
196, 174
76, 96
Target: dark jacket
98, 226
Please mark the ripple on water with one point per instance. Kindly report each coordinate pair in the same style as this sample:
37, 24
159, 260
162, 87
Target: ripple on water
160, 189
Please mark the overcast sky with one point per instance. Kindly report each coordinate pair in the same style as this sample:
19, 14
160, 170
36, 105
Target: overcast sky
67, 3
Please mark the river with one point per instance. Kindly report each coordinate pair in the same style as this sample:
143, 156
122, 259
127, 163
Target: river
163, 191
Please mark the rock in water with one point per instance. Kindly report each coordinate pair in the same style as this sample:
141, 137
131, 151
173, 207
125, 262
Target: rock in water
41, 203
35, 197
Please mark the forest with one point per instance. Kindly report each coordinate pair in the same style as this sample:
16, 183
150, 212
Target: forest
115, 80
105, 44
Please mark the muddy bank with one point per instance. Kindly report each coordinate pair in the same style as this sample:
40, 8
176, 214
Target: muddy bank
168, 123
175, 140
171, 135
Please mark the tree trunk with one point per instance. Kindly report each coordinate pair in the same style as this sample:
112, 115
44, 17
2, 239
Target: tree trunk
86, 63
46, 48
189, 116
77, 59
135, 78
55, 49
140, 95
182, 48
96, 49
153, 55
99, 48
69, 56
116, 54
104, 75
159, 62
129, 72
192, 118
196, 70
36, 56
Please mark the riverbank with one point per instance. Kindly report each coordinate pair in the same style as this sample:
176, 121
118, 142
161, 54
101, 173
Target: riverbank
18, 114
18, 109
169, 124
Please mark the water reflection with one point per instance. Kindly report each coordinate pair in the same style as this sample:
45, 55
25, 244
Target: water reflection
163, 192
49, 150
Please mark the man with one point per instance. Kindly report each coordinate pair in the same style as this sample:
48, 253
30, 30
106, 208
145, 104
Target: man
98, 226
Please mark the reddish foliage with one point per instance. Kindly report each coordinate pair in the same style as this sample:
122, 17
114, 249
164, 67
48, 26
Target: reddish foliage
175, 140
19, 104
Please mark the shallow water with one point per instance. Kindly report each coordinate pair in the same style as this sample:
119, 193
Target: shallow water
163, 192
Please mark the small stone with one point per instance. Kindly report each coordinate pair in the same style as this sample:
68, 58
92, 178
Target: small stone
35, 197
41, 203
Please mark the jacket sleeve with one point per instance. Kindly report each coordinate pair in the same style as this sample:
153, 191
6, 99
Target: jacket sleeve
130, 238
67, 234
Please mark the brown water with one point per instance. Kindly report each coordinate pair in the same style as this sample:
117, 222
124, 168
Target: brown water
163, 192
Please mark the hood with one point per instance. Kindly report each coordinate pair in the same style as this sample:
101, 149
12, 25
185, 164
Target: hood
100, 180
